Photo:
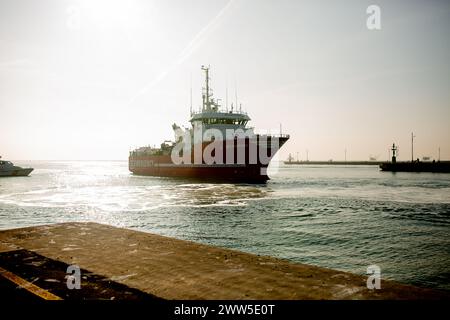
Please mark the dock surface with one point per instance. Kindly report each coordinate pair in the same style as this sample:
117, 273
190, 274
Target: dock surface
127, 264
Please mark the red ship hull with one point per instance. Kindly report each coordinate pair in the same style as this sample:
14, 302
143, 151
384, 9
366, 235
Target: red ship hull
162, 166
234, 173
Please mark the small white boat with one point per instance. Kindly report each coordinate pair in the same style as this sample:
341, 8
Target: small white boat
8, 169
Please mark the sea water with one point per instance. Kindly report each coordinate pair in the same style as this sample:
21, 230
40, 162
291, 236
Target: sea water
340, 217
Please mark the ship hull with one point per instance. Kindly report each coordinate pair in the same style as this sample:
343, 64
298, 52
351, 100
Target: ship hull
16, 172
162, 166
232, 173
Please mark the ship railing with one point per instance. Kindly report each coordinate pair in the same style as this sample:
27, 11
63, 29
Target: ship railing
220, 110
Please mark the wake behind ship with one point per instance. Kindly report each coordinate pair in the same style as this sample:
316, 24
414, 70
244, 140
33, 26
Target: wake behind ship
218, 146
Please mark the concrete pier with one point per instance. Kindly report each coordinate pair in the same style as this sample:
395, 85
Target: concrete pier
126, 264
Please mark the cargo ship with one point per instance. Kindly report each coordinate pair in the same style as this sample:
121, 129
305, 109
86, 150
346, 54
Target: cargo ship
218, 146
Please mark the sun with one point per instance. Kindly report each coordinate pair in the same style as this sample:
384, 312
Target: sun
107, 14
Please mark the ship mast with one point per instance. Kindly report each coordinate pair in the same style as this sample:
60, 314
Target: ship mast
206, 95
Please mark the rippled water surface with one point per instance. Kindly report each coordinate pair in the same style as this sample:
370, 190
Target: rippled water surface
342, 217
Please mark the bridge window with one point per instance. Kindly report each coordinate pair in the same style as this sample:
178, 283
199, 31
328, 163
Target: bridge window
224, 121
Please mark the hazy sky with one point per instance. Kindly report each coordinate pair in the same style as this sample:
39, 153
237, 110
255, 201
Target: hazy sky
90, 79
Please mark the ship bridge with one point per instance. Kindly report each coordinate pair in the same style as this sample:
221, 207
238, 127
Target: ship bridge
212, 116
